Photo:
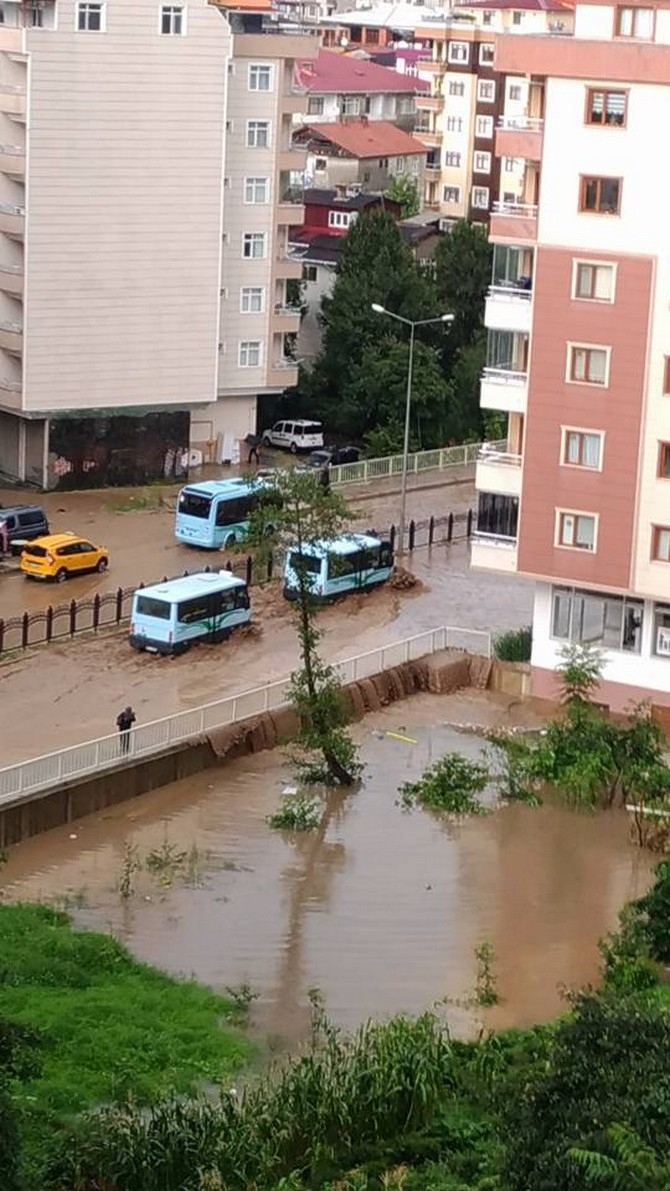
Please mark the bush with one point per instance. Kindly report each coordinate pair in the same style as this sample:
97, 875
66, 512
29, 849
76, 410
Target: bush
296, 813
655, 907
514, 646
449, 785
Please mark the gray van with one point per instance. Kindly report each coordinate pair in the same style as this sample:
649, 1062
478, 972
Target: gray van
22, 523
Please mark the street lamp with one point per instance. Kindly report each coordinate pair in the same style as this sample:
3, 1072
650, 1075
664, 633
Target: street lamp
412, 324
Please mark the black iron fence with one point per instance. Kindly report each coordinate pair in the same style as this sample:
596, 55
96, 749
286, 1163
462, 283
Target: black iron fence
113, 608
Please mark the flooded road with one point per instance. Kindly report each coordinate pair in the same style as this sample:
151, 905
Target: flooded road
379, 909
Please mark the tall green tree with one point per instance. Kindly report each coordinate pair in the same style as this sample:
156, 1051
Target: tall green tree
463, 261
376, 395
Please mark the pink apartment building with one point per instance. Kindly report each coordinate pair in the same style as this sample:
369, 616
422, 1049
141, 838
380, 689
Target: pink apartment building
579, 348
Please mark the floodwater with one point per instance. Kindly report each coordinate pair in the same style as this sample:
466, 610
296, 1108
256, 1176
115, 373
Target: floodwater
379, 908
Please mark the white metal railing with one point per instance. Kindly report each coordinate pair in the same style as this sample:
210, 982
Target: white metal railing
8, 326
11, 269
418, 461
11, 209
13, 150
41, 773
491, 454
498, 540
504, 376
279, 309
284, 363
521, 123
520, 210
510, 291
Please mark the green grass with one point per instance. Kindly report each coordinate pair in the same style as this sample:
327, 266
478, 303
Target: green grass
113, 1028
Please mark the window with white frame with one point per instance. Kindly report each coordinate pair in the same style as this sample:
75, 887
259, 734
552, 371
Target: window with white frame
486, 53
253, 245
454, 123
260, 77
517, 17
309, 273
252, 299
594, 618
661, 638
578, 531
588, 365
315, 105
581, 448
451, 194
341, 219
510, 164
415, 166
635, 22
452, 160
90, 18
486, 91
173, 20
258, 134
593, 282
660, 543
256, 190
350, 105
456, 88
459, 51
320, 164
35, 16
482, 163
251, 353
484, 126
515, 92
480, 196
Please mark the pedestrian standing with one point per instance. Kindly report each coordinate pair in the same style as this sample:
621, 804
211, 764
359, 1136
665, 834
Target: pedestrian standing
124, 722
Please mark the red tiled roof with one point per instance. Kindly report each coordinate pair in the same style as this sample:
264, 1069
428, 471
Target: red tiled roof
334, 72
363, 138
526, 5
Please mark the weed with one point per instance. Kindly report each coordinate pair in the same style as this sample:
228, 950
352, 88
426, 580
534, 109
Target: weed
192, 868
71, 899
514, 646
296, 813
242, 996
130, 865
165, 862
448, 785
486, 991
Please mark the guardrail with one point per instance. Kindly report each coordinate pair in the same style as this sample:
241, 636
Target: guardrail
42, 773
418, 461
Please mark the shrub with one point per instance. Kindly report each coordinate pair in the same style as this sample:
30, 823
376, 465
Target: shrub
296, 813
514, 646
448, 785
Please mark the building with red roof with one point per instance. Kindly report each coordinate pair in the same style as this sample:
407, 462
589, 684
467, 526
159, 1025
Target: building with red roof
344, 85
367, 152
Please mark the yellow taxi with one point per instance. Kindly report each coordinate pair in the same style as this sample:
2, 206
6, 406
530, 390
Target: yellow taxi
60, 556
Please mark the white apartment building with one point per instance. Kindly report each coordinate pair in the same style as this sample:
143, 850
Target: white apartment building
118, 348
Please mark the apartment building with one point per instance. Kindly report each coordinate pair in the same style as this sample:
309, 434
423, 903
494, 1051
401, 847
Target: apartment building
124, 232
579, 349
341, 86
370, 153
458, 119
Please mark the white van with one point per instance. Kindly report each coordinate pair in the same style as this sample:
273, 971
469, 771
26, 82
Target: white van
294, 435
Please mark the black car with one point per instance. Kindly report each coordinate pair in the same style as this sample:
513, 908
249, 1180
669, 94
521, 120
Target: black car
333, 457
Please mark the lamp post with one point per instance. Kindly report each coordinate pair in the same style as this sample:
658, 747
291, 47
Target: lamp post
412, 324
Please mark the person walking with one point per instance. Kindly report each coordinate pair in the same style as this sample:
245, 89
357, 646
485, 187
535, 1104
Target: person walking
124, 722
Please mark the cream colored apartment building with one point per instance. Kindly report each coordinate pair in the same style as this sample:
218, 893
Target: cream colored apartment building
129, 191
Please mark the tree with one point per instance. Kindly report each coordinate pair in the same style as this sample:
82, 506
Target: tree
404, 189
463, 260
376, 393
299, 513
464, 414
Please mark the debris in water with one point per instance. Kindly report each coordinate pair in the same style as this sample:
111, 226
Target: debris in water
289, 791
404, 739
73, 835
402, 580
379, 735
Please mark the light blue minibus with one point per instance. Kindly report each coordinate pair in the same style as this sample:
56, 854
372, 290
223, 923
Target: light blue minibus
169, 617
215, 513
351, 563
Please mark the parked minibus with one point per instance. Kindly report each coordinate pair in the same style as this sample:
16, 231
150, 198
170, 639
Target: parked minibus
350, 563
215, 513
169, 617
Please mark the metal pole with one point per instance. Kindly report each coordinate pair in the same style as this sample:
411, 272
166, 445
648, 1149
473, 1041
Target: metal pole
405, 449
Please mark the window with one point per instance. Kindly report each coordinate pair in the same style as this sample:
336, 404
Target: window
484, 126
660, 543
250, 353
452, 160
253, 245
592, 618
606, 107
486, 91
480, 196
258, 134
451, 194
459, 51
516, 18
582, 448
91, 18
399, 166
601, 196
252, 299
256, 190
635, 22
341, 218
482, 163
35, 16
309, 272
662, 630
260, 78
497, 515
576, 530
315, 105
454, 124
173, 22
487, 17
456, 88
664, 460
350, 106
515, 93
666, 375
588, 365
592, 282
486, 53
148, 606
321, 164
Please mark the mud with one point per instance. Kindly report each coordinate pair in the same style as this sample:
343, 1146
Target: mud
380, 909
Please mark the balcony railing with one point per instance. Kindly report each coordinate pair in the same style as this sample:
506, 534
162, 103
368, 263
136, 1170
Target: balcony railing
12, 150
16, 328
10, 386
495, 539
17, 269
504, 374
520, 123
284, 362
286, 310
11, 209
521, 210
492, 455
11, 89
511, 290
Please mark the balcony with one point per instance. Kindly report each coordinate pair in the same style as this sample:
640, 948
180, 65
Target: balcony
11, 337
504, 389
498, 472
519, 136
13, 101
290, 208
285, 319
433, 138
13, 161
514, 221
292, 160
508, 308
11, 279
491, 553
287, 268
283, 374
12, 220
429, 103
433, 171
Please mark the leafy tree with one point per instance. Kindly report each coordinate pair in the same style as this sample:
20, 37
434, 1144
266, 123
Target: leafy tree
633, 1165
376, 394
404, 189
303, 513
463, 261
463, 413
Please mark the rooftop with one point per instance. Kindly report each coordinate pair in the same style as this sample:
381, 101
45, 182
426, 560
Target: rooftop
363, 138
392, 16
332, 71
335, 198
192, 585
316, 250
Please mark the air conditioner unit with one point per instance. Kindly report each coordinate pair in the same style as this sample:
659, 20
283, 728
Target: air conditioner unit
663, 642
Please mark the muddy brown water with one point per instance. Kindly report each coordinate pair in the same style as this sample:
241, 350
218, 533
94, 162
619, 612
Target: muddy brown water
379, 909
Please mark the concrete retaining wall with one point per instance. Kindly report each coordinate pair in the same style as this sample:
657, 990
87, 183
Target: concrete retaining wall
441, 673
